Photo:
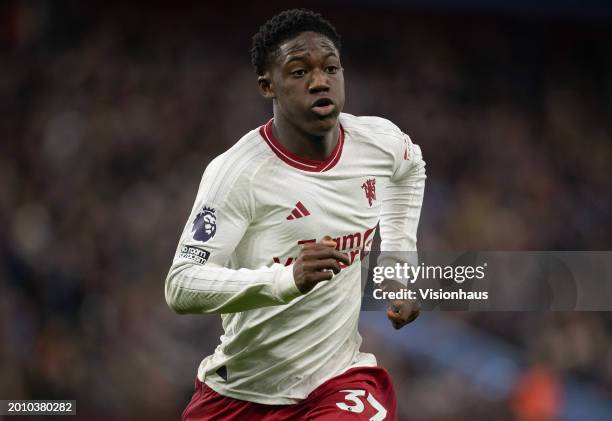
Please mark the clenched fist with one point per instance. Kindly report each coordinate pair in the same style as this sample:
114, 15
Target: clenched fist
317, 262
400, 312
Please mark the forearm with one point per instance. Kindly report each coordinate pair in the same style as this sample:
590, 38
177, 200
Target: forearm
197, 289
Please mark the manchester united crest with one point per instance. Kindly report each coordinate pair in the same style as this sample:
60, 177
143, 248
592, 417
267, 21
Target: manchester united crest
369, 188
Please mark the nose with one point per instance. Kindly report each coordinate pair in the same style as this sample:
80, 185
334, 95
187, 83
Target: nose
319, 81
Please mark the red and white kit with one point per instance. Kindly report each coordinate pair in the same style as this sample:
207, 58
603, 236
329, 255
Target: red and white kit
361, 393
257, 203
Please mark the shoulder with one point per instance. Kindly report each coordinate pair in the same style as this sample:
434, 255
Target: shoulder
377, 133
233, 170
380, 135
372, 128
242, 156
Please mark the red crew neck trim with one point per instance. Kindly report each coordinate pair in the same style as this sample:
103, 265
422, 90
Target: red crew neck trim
299, 162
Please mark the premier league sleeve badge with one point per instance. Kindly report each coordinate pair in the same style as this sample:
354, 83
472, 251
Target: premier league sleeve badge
205, 225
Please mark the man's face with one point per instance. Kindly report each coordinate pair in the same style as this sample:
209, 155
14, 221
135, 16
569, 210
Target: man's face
306, 80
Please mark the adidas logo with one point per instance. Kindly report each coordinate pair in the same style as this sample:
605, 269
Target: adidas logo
299, 211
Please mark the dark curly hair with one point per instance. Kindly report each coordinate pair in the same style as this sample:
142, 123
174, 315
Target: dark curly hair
285, 26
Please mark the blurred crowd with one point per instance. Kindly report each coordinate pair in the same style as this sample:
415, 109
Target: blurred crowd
107, 125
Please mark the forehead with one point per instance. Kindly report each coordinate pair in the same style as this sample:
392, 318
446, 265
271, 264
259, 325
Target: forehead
305, 43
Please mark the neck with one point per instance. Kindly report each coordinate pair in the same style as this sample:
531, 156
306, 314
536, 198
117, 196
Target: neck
305, 145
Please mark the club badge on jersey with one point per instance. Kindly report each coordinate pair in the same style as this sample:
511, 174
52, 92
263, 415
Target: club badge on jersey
204, 225
369, 188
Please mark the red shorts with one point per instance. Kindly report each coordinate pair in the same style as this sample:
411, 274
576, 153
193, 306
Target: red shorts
361, 393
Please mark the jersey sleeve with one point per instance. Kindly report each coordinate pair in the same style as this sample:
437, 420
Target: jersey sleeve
199, 280
403, 198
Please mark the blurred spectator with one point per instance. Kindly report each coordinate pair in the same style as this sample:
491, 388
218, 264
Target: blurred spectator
537, 396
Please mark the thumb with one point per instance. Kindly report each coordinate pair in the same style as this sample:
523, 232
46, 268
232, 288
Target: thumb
328, 241
393, 313
395, 318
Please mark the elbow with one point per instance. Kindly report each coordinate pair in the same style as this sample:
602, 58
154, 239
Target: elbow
172, 293
174, 306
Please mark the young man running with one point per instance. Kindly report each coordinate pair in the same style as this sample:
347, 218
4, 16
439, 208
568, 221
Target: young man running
274, 239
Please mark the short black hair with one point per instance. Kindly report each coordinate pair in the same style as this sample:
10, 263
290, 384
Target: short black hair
285, 26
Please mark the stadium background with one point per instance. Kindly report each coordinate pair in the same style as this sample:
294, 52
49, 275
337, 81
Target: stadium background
110, 113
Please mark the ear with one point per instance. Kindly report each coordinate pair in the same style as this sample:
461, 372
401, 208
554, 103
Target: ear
266, 87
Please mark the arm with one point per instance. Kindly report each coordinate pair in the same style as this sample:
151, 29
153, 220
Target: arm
399, 221
198, 280
402, 202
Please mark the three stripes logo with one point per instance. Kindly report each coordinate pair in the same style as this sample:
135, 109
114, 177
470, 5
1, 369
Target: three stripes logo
299, 211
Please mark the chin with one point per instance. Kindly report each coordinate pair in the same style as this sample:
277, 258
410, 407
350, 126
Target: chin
323, 125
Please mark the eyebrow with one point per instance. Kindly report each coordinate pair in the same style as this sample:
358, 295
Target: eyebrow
297, 57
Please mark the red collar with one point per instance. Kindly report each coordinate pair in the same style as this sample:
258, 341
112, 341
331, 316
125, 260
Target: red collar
296, 161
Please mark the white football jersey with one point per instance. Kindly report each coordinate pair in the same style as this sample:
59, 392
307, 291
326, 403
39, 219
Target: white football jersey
257, 203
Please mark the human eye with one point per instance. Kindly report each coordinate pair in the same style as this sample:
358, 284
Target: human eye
331, 69
298, 72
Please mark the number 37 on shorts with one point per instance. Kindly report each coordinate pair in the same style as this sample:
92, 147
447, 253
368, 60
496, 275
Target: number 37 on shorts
359, 401
360, 394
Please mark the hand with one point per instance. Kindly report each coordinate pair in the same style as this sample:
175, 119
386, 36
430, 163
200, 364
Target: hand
400, 312
317, 262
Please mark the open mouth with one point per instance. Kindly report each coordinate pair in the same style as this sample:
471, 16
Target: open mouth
323, 106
